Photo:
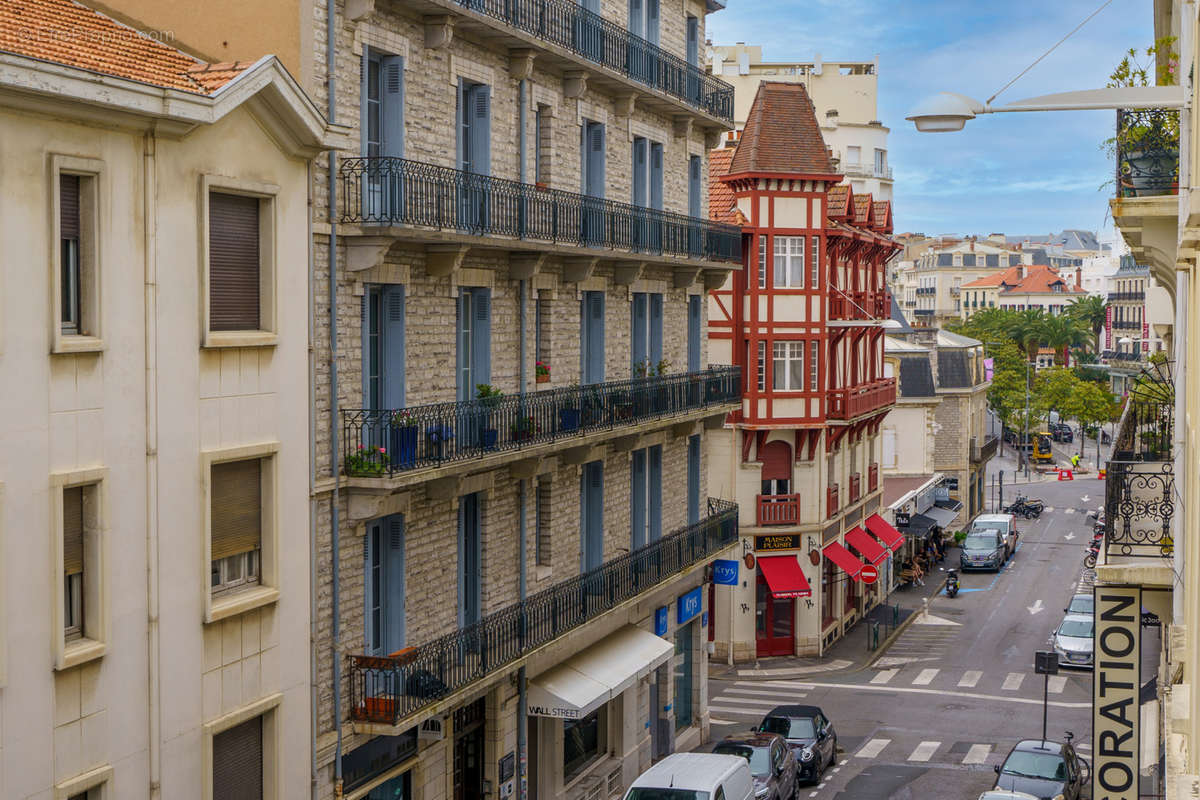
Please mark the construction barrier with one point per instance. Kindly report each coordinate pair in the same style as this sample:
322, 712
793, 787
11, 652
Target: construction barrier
1065, 475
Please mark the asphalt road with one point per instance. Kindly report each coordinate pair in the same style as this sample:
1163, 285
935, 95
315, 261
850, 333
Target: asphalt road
954, 692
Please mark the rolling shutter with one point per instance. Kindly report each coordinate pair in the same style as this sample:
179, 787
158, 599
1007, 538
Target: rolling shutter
68, 206
237, 762
72, 501
233, 262
236, 503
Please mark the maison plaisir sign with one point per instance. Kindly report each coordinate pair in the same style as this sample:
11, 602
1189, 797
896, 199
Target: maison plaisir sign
1116, 712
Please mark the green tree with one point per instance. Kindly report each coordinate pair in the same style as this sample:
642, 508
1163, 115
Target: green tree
1092, 311
1092, 404
1027, 329
1054, 388
1064, 332
1006, 395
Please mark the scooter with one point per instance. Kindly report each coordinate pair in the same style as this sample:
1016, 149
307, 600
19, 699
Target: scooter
1089, 560
951, 583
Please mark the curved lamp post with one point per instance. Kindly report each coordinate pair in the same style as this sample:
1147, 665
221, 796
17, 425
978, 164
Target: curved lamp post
949, 111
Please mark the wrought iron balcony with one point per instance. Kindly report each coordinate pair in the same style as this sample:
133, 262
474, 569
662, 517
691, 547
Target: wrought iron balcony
1147, 143
984, 452
1119, 296
1126, 325
396, 191
855, 401
778, 509
385, 442
568, 25
386, 690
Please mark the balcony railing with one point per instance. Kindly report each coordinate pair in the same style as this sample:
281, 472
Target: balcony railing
1139, 488
396, 191
859, 170
385, 690
1147, 152
385, 442
832, 501
1126, 325
872, 477
859, 305
1119, 296
566, 24
857, 400
778, 509
923, 290
983, 452
1122, 355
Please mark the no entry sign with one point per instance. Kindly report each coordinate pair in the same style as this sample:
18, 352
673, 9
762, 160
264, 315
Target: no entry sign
869, 574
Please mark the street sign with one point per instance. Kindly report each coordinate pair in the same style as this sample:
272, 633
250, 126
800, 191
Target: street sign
869, 574
1045, 662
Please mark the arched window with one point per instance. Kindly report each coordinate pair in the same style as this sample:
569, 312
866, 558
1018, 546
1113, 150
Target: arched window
776, 458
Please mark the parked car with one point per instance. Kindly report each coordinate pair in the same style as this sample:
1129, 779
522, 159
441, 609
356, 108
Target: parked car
1006, 524
1061, 432
772, 763
810, 736
1004, 794
1081, 604
694, 776
1044, 769
1072, 640
984, 548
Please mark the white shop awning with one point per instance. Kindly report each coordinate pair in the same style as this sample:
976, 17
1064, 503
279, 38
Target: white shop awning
942, 516
592, 677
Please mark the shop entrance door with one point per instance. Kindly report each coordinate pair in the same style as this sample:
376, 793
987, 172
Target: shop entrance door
774, 621
468, 751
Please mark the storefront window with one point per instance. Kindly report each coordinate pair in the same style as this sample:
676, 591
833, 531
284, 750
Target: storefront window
395, 789
851, 586
683, 676
581, 743
828, 582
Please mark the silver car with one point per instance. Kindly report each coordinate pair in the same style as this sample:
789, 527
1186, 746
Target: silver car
1073, 640
983, 548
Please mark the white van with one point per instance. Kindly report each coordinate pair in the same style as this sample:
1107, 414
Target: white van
1006, 524
695, 776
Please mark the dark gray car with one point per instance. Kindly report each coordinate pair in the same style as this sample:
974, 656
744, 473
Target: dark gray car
810, 735
1044, 769
771, 763
983, 549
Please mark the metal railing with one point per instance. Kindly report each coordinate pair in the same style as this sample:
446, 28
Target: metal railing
387, 689
1139, 488
396, 191
384, 442
778, 509
1123, 355
1119, 296
860, 170
923, 290
1147, 143
982, 452
568, 25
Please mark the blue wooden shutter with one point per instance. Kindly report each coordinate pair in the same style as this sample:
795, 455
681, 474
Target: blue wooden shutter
639, 348
372, 601
469, 545
394, 622
460, 126
654, 493
481, 346
656, 175
693, 479
392, 312
637, 500
593, 496
637, 18
695, 185
694, 312
693, 41
595, 338
640, 197
365, 330
595, 159
364, 92
462, 348
652, 21
391, 70
481, 134
656, 329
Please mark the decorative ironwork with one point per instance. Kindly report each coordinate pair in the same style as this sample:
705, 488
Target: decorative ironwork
396, 191
384, 442
387, 689
568, 25
1138, 506
983, 452
1120, 296
1147, 144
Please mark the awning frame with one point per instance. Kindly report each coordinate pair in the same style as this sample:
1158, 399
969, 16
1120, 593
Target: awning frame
845, 560
885, 532
867, 547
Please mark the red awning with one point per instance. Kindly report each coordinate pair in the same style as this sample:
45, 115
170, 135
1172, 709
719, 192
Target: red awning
844, 559
867, 547
885, 532
784, 576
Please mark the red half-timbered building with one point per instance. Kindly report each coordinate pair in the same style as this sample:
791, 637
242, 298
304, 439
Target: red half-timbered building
804, 319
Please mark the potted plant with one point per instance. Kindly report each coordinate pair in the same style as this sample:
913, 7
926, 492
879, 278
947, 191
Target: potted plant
524, 429
402, 439
489, 397
568, 412
439, 435
542, 372
366, 462
662, 394
1146, 144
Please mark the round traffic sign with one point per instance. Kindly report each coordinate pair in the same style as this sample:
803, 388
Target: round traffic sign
869, 574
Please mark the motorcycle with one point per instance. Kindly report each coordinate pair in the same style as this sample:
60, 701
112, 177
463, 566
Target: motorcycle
1089, 559
951, 583
1029, 509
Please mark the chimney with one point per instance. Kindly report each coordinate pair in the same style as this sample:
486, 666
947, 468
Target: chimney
1079, 277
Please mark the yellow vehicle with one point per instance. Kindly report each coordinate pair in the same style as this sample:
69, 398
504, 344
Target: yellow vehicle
1042, 454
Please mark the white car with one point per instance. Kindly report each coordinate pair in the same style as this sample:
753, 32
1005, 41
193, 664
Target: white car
1072, 640
1004, 794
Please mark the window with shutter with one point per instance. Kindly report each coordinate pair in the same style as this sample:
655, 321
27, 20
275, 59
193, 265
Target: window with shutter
695, 186
72, 512
592, 513
694, 332
654, 492
656, 179
69, 234
639, 344
592, 337
469, 552
656, 333
543, 516
693, 478
235, 524
637, 500
237, 762
234, 267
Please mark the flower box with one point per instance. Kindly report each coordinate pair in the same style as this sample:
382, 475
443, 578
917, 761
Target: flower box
402, 441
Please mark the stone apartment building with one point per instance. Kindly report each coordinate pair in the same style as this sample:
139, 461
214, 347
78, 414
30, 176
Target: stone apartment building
153, 487
804, 318
509, 503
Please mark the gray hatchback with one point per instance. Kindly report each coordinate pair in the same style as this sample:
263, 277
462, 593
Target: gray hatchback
983, 549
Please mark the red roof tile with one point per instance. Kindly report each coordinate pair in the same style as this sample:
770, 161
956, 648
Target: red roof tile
862, 209
881, 217
1037, 279
781, 134
721, 202
838, 202
67, 33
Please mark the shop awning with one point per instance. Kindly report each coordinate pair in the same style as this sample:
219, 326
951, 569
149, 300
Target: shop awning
867, 547
919, 526
784, 576
844, 559
885, 532
595, 675
941, 516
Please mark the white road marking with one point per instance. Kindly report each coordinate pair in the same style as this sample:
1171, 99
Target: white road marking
1036, 608
1068, 511
813, 794
767, 703
926, 677
884, 676
747, 712
759, 692
930, 619
1069, 536
924, 751
999, 698
1057, 684
977, 754
970, 678
872, 748
787, 684
1013, 681
1085, 498
1047, 509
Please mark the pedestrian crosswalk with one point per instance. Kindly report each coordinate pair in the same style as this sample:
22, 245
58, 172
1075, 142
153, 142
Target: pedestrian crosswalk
927, 751
970, 679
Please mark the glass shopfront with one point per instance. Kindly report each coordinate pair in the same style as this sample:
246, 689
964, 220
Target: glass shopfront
684, 666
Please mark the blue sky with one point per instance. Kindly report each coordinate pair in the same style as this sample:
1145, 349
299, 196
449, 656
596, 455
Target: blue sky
1011, 173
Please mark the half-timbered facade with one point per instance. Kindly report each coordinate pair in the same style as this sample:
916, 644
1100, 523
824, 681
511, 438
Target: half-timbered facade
803, 318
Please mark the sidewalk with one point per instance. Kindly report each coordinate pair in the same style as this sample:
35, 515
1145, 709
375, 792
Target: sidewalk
848, 654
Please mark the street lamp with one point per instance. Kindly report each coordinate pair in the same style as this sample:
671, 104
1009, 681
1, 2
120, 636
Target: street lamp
949, 111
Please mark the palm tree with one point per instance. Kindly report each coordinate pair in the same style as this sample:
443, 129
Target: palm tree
1026, 329
1091, 311
1063, 332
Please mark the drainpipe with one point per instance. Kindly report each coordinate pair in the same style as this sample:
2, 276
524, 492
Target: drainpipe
150, 245
1183, 290
335, 497
522, 720
313, 660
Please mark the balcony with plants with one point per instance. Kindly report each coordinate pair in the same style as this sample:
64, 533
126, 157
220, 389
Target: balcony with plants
387, 692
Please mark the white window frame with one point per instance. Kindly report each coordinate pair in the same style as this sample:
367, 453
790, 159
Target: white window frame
92, 186
90, 781
91, 644
789, 262
236, 572
788, 353
272, 754
814, 365
762, 261
762, 365
224, 603
267, 333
